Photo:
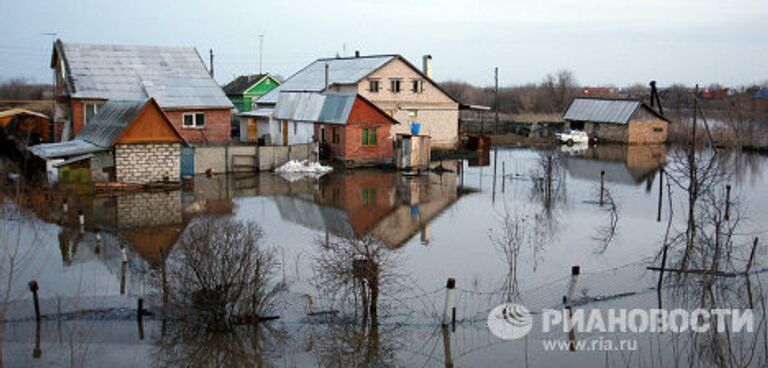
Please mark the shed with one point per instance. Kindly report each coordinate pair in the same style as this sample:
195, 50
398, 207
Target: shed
27, 126
131, 141
617, 120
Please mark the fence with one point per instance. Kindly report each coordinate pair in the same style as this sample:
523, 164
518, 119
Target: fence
270, 157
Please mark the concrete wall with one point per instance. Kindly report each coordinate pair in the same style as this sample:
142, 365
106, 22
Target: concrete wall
143, 163
102, 164
436, 111
271, 157
221, 159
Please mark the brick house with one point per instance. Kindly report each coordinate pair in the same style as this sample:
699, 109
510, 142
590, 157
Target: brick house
126, 141
350, 129
617, 120
88, 75
390, 82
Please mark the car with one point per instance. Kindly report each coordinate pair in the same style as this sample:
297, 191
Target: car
570, 137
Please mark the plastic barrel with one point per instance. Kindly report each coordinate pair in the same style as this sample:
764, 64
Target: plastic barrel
415, 128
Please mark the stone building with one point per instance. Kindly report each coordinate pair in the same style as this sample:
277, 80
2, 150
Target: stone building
88, 75
127, 141
617, 120
390, 82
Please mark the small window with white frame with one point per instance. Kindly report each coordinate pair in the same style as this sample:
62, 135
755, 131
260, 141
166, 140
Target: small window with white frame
90, 111
373, 85
194, 120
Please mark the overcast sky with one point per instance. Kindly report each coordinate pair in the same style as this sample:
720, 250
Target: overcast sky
602, 41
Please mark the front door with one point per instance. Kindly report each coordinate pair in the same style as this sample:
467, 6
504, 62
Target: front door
285, 132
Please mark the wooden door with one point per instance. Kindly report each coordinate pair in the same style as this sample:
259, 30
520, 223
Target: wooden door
253, 133
285, 132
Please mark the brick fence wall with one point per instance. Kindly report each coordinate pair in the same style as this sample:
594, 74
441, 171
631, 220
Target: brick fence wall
143, 163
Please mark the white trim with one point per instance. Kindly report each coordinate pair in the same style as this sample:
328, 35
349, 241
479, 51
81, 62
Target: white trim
194, 120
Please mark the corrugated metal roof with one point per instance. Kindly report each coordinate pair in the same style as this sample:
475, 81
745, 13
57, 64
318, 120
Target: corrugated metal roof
340, 70
601, 111
111, 120
64, 149
331, 108
175, 76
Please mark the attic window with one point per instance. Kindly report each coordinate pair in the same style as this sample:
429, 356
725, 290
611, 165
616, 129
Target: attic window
373, 85
90, 110
194, 120
395, 85
417, 86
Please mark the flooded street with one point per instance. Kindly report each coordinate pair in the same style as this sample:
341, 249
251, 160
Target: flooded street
355, 263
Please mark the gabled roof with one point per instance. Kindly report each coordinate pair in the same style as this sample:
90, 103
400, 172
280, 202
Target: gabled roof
599, 110
330, 108
102, 131
341, 71
175, 76
243, 83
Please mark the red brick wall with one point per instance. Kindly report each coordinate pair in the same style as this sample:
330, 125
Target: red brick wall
350, 147
217, 126
76, 114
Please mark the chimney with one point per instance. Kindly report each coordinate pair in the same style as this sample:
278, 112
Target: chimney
357, 53
427, 66
327, 76
211, 52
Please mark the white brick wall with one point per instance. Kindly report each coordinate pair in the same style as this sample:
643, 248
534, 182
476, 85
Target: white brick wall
143, 163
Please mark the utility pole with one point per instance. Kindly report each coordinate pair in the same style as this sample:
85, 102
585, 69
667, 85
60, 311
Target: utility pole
496, 97
261, 51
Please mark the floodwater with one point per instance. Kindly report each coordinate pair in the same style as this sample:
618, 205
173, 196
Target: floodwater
507, 227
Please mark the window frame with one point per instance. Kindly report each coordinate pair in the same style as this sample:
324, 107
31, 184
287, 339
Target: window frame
194, 115
335, 136
396, 82
374, 82
417, 86
85, 111
369, 137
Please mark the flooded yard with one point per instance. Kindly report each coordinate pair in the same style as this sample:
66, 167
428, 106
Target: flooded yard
355, 263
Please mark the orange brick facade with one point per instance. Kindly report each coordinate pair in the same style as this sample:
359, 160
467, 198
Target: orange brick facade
349, 148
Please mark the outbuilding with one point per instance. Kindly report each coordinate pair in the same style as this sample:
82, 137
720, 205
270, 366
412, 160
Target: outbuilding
350, 129
617, 120
126, 141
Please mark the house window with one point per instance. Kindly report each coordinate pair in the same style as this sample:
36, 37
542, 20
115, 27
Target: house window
417, 86
658, 130
368, 196
194, 120
394, 85
335, 135
373, 86
369, 136
90, 111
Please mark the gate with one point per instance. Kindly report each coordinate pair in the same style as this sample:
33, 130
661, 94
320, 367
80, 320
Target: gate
187, 161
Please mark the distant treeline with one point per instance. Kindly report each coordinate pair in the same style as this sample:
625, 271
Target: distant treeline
553, 94
22, 89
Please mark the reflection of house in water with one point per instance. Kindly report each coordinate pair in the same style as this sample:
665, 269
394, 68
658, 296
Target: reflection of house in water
622, 164
382, 204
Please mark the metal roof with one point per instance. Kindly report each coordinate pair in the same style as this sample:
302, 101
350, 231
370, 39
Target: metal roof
64, 149
175, 76
601, 110
109, 123
340, 70
331, 108
263, 112
242, 83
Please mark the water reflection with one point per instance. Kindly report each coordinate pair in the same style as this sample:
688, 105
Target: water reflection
629, 165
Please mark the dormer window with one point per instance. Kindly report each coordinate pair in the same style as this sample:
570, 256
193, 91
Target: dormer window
90, 110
